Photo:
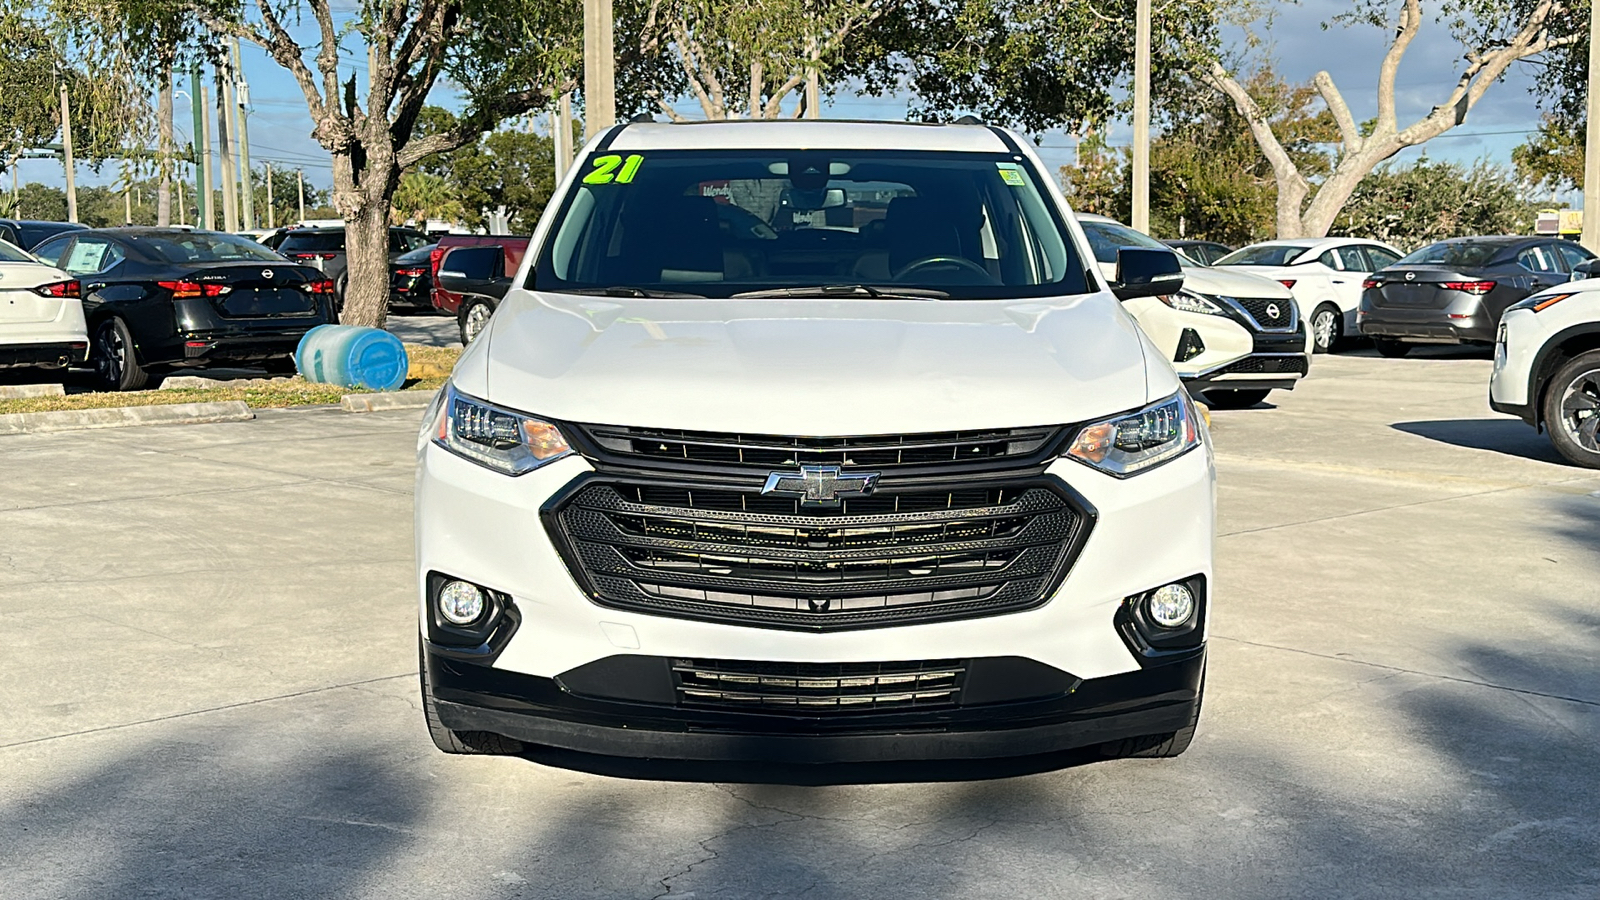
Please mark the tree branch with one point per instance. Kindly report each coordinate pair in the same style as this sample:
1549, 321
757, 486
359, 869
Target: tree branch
1406, 31
1349, 134
1292, 186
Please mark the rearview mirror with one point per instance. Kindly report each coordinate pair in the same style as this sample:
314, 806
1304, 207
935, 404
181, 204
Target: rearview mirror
811, 201
1145, 272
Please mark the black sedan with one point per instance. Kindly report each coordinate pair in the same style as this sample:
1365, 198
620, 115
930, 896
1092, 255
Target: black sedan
1454, 292
161, 299
411, 280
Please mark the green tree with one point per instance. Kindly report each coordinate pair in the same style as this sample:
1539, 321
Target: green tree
30, 109
422, 196
1415, 205
1553, 158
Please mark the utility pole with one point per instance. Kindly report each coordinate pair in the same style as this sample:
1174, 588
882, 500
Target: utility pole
561, 135
1141, 117
181, 216
242, 111
1591, 155
202, 149
127, 195
230, 180
300, 179
599, 68
269, 197
208, 181
66, 155
164, 144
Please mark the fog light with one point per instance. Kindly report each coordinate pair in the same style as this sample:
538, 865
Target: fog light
460, 603
1170, 605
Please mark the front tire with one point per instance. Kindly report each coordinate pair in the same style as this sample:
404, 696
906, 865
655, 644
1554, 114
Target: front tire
1327, 328
474, 318
1572, 410
1391, 348
1235, 399
116, 366
465, 743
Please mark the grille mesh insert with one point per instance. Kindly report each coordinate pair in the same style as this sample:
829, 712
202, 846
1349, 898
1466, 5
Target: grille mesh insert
1261, 311
818, 688
895, 557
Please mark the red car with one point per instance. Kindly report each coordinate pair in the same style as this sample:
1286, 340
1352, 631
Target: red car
472, 315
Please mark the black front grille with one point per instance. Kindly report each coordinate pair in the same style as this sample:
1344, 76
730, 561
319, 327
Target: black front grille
818, 688
1262, 311
1268, 365
898, 556
699, 449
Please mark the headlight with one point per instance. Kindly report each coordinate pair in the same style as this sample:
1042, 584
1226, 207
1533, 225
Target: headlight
1137, 441
494, 437
1538, 302
1190, 302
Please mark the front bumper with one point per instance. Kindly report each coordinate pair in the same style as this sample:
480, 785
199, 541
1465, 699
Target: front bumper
554, 712
48, 355
1270, 371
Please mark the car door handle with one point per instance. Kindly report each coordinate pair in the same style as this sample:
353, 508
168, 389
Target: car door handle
1338, 281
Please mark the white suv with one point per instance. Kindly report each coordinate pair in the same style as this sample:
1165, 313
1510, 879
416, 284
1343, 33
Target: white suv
840, 453
1547, 367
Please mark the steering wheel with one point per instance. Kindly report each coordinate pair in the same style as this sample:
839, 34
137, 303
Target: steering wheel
960, 262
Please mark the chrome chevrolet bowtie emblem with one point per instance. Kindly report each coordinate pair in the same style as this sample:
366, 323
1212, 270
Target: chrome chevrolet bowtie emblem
820, 485
1273, 311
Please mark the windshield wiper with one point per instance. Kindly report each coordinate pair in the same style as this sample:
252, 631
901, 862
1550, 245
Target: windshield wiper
847, 290
622, 290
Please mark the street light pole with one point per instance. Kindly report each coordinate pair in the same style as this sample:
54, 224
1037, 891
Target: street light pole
66, 154
1141, 117
599, 68
1591, 157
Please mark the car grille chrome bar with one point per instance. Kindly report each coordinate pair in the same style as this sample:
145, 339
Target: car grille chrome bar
818, 688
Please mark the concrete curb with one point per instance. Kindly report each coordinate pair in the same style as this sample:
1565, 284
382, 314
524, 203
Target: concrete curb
381, 402
28, 391
121, 416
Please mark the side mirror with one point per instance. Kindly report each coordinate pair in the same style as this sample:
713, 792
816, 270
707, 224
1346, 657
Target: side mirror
466, 268
1145, 272
1586, 269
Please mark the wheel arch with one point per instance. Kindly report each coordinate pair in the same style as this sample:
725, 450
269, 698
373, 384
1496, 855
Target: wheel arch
93, 321
1561, 347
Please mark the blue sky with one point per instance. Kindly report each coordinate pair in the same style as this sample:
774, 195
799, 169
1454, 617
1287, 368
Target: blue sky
279, 127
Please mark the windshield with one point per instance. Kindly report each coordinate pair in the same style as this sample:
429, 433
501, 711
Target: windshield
1106, 238
1263, 255
312, 241
202, 247
721, 223
1452, 253
9, 253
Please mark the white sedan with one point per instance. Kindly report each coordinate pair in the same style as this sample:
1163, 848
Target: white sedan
1324, 274
41, 313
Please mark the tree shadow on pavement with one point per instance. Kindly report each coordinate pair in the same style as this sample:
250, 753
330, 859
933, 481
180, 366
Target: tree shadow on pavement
1512, 437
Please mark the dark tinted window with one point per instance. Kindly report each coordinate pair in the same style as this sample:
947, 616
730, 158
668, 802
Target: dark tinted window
50, 251
1381, 258
1573, 253
1539, 258
9, 234
971, 225
312, 242
476, 263
402, 241
1106, 238
1262, 255
9, 252
1453, 253
201, 247
32, 233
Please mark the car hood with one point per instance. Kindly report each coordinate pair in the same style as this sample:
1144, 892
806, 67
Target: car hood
814, 367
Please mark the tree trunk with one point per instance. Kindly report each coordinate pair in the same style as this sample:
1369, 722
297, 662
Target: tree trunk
164, 146
365, 205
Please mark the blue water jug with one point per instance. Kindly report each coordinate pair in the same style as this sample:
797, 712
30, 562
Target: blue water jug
352, 356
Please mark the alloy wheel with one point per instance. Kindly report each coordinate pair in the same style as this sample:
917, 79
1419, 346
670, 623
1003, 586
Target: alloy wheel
111, 352
477, 318
1580, 410
1324, 328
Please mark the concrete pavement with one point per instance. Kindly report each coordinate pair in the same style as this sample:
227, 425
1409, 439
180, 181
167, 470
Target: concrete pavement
210, 691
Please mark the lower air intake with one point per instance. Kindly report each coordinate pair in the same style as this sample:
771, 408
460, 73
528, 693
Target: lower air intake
818, 688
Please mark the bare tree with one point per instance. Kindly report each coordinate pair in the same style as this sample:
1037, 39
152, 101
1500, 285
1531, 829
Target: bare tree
745, 58
1494, 36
